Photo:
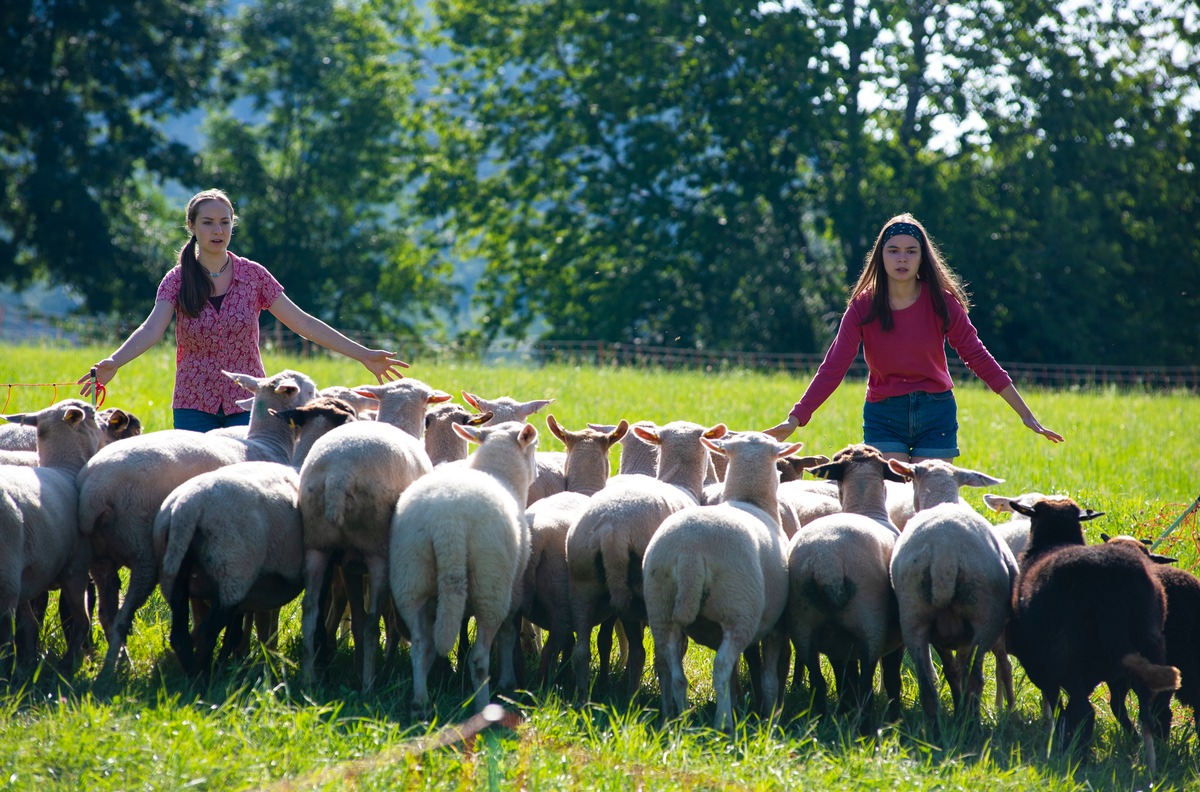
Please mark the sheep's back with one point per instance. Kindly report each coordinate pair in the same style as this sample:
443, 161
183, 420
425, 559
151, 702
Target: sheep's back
38, 528
834, 559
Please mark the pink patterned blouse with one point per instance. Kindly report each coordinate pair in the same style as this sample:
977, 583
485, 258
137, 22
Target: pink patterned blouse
219, 339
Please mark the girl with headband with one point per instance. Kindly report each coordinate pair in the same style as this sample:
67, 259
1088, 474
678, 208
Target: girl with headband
904, 308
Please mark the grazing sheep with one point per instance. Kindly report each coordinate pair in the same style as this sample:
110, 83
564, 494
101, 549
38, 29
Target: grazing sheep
122, 487
606, 543
547, 593
1083, 615
39, 527
458, 542
718, 575
1181, 631
349, 485
953, 578
840, 600
232, 537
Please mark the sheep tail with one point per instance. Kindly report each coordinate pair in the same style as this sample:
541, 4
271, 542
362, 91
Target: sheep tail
1159, 678
178, 527
450, 560
830, 584
690, 574
943, 574
615, 555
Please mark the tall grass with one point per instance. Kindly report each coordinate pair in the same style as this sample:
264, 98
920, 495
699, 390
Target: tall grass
1127, 453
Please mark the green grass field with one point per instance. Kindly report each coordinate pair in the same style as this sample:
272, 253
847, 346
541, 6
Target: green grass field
1127, 454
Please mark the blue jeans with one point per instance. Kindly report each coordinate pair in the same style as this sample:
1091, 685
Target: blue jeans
919, 424
198, 421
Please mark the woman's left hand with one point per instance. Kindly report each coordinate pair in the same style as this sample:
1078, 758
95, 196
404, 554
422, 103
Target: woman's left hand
383, 364
1050, 434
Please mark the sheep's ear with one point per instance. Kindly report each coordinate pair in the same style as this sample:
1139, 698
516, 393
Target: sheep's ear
437, 397
73, 416
247, 381
616, 433
806, 462
1018, 507
479, 419
648, 435
720, 430
784, 450
605, 428
555, 429
1104, 537
832, 471
362, 390
469, 433
901, 469
973, 478
472, 399
24, 419
996, 503
1162, 559
716, 448
890, 473
530, 407
1088, 514
528, 435
245, 404
118, 420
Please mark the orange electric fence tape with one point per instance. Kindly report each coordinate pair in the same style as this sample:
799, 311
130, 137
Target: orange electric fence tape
98, 391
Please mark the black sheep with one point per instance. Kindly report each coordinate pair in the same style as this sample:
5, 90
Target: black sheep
1182, 634
1083, 615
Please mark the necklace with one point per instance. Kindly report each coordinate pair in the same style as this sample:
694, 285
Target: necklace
219, 272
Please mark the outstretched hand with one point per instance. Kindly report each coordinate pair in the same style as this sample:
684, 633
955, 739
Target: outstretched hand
383, 364
1035, 425
782, 431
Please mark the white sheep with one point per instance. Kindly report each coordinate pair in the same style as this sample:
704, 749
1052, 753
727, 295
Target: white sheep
840, 600
458, 542
550, 478
442, 443
232, 537
953, 579
39, 527
122, 487
606, 543
718, 575
546, 591
18, 443
349, 485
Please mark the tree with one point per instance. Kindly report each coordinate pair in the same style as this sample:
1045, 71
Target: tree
316, 137
83, 89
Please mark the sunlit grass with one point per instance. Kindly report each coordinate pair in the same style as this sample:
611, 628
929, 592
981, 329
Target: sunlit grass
1126, 454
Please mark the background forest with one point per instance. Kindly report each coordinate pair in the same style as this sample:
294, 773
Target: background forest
696, 173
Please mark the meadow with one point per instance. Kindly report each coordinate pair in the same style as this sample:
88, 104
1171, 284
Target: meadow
1128, 453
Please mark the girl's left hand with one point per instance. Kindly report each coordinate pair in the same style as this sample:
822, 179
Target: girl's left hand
383, 364
1050, 434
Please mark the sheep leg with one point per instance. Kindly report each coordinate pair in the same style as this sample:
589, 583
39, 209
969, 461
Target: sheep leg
724, 664
419, 618
28, 628
974, 686
635, 666
773, 651
754, 662
509, 648
377, 575
952, 671
1079, 720
558, 641
316, 563
142, 579
479, 660
1118, 690
669, 648
108, 592
582, 610
72, 613
199, 611
181, 635
604, 644
1004, 676
335, 609
266, 627
891, 664
217, 619
356, 597
917, 643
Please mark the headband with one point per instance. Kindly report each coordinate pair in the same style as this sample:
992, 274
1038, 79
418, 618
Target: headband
895, 229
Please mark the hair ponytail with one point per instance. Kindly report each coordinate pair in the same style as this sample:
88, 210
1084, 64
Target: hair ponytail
195, 287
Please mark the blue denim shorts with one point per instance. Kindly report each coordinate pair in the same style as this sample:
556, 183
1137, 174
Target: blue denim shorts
199, 421
919, 424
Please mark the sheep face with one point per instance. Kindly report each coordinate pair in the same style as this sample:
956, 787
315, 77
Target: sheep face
506, 408
70, 417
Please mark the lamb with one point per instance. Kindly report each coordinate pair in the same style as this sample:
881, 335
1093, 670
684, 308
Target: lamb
546, 592
18, 445
550, 477
122, 487
442, 443
233, 537
39, 527
349, 485
840, 600
606, 543
953, 579
1181, 631
1085, 615
718, 575
458, 542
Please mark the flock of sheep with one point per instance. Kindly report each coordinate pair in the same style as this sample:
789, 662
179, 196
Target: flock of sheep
367, 499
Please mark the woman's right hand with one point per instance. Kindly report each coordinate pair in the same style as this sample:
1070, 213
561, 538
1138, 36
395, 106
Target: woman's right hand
104, 371
784, 430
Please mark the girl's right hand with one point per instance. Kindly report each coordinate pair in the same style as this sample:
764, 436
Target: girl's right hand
104, 371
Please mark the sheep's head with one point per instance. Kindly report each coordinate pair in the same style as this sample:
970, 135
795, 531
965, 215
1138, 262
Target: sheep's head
937, 481
506, 408
1054, 521
335, 411
859, 456
1142, 545
791, 468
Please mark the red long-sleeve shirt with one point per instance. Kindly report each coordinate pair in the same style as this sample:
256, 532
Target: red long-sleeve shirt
911, 357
